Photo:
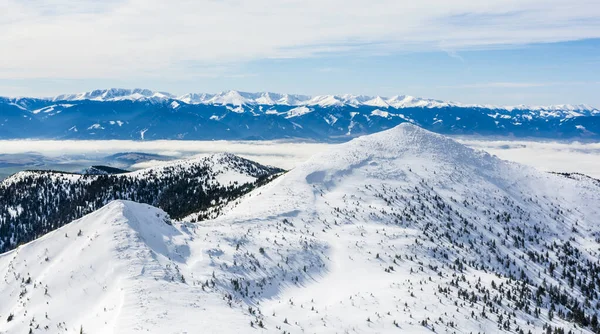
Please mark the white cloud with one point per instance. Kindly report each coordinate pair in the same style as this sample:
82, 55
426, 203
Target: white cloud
507, 85
544, 155
521, 84
145, 38
277, 153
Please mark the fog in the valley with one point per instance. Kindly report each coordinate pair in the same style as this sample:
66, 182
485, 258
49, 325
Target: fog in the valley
74, 156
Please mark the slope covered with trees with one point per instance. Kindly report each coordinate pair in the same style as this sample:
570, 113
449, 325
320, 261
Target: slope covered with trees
404, 231
330, 119
33, 203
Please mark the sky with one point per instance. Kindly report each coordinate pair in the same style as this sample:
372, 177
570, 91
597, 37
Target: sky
503, 52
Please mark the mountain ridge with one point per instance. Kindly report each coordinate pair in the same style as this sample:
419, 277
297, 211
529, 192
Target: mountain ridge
238, 98
147, 115
35, 202
92, 275
404, 230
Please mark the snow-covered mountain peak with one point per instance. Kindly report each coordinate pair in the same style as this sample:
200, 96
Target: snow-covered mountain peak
115, 94
292, 99
403, 230
237, 98
231, 97
95, 265
383, 156
409, 138
405, 141
400, 99
325, 101
437, 220
377, 101
242, 115
150, 223
195, 98
266, 99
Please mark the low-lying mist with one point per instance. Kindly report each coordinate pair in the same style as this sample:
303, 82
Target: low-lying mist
75, 155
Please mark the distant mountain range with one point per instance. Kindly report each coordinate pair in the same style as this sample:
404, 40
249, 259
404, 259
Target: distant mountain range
236, 98
144, 114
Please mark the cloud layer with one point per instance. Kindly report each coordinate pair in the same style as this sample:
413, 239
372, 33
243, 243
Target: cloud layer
546, 156
148, 38
277, 153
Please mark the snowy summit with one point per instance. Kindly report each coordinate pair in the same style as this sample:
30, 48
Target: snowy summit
401, 231
237, 98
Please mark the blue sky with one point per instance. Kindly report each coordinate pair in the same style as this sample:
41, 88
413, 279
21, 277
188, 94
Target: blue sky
509, 52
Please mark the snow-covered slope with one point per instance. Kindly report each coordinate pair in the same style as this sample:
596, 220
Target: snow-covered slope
35, 202
113, 271
236, 98
414, 229
115, 94
141, 114
400, 231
